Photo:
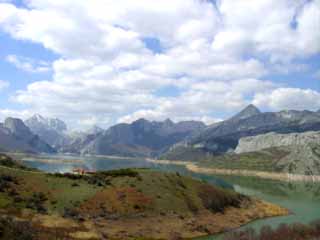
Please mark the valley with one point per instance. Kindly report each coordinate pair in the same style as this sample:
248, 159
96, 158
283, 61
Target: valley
140, 172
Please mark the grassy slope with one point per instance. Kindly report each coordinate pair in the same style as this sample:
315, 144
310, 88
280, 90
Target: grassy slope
265, 160
303, 160
118, 197
154, 191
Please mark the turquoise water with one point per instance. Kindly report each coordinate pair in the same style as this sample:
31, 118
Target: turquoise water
302, 199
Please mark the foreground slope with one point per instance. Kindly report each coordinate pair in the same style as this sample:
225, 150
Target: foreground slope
120, 204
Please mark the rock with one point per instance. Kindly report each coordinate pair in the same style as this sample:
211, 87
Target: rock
259, 142
249, 111
16, 136
51, 130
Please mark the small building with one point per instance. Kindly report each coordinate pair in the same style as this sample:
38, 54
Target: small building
82, 171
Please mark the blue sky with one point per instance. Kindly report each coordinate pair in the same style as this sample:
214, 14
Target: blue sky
173, 59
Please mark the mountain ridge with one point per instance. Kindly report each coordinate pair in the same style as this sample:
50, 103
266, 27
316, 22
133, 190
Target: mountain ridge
16, 136
141, 138
224, 136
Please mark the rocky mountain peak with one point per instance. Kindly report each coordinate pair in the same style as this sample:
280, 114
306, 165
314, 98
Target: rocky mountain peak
168, 122
94, 130
249, 111
37, 121
16, 126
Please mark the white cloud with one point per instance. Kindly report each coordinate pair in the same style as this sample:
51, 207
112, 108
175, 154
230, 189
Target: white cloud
265, 27
4, 113
203, 100
4, 84
289, 98
215, 56
28, 65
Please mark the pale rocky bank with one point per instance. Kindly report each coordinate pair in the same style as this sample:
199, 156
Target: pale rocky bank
259, 142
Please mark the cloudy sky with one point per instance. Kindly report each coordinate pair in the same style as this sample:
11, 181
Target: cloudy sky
106, 61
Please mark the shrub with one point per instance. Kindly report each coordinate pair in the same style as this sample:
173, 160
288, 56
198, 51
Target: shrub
216, 199
16, 230
119, 173
36, 202
7, 161
5, 181
294, 231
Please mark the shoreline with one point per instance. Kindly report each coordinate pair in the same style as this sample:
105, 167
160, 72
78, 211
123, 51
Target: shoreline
286, 177
193, 167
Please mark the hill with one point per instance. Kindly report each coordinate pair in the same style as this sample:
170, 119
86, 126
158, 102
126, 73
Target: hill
301, 160
119, 204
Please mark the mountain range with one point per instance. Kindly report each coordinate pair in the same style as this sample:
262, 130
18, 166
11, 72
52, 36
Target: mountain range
141, 138
223, 137
187, 140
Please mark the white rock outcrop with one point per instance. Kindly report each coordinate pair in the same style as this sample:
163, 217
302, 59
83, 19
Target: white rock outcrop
259, 142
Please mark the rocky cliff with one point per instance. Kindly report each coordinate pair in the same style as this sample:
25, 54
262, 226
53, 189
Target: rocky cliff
259, 142
16, 136
51, 130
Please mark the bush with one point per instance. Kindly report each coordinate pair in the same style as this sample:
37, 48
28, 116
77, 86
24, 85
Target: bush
16, 230
99, 178
216, 199
71, 213
294, 231
119, 173
7, 161
5, 181
36, 202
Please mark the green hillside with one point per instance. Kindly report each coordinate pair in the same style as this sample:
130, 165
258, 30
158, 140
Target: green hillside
111, 203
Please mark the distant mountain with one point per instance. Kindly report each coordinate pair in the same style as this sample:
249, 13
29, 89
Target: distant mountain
93, 130
142, 138
39, 122
224, 136
16, 136
77, 141
249, 111
51, 130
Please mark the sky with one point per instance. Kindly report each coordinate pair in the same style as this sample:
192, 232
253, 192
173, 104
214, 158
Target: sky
101, 62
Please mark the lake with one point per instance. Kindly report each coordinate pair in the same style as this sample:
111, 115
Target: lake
302, 199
